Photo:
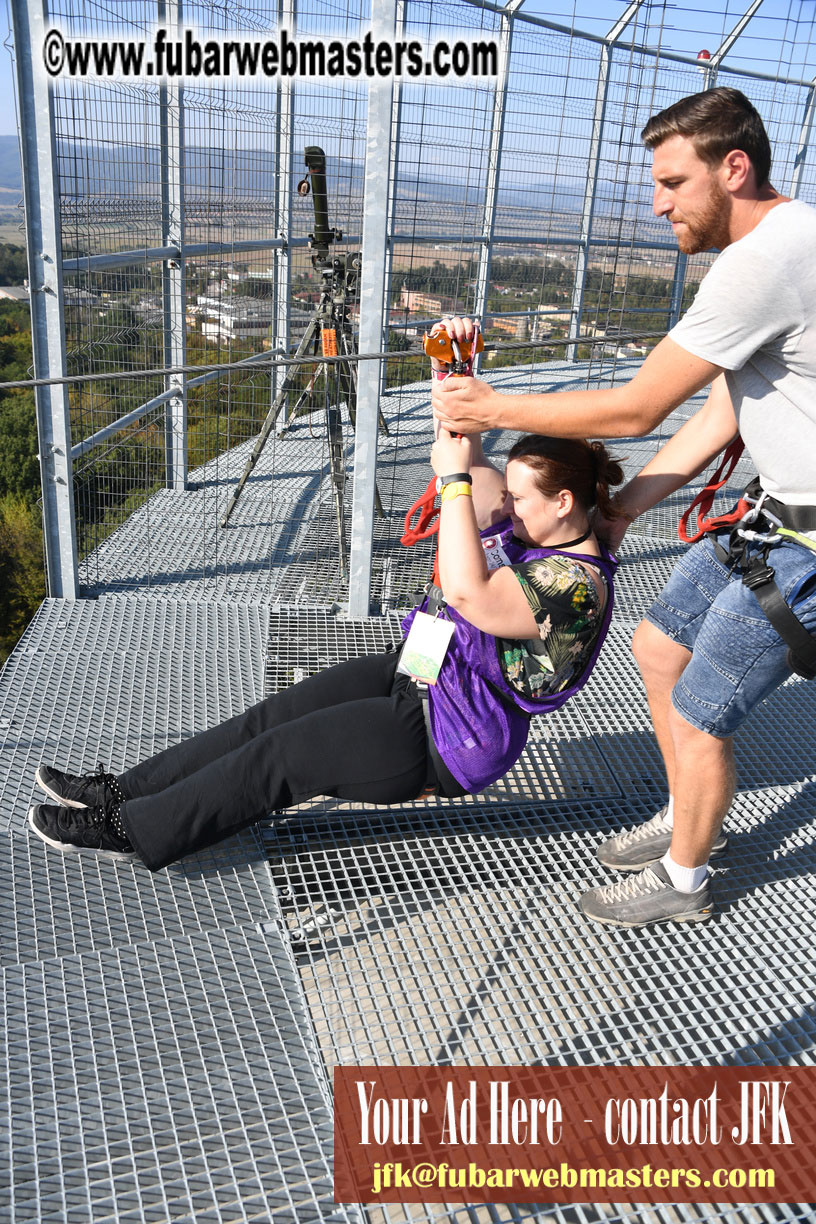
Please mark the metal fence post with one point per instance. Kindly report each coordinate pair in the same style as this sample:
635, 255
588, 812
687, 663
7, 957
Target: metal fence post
396, 117
710, 70
582, 260
372, 316
713, 66
494, 157
44, 242
678, 285
594, 161
171, 127
282, 283
804, 141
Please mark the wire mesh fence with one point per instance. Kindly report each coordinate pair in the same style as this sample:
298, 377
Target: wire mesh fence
525, 197
446, 933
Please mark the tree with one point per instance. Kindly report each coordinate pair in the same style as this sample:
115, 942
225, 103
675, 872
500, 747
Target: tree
22, 580
19, 468
13, 264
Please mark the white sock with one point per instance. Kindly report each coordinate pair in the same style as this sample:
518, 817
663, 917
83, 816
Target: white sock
684, 879
668, 819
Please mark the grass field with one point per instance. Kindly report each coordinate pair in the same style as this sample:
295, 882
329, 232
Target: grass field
12, 230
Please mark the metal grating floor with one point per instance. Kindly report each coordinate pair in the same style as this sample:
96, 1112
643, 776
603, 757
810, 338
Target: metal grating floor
455, 937
170, 1080
160, 1060
169, 1036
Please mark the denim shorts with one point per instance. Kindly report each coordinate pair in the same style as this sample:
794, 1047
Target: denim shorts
737, 658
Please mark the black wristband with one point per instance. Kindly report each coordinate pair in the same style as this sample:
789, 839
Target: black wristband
441, 481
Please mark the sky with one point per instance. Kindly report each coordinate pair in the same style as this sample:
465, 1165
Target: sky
8, 117
787, 27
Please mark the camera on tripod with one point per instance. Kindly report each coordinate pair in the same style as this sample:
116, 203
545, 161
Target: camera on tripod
331, 267
328, 335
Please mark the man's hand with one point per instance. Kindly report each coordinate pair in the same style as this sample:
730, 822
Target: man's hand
667, 378
610, 530
462, 405
465, 405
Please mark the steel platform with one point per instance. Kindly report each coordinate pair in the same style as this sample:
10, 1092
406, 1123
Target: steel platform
169, 1037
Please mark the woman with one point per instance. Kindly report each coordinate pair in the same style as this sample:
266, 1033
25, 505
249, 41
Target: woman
524, 613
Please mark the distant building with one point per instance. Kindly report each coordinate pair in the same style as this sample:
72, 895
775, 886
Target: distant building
541, 328
396, 317
14, 293
72, 295
426, 303
509, 326
238, 325
537, 326
149, 309
231, 318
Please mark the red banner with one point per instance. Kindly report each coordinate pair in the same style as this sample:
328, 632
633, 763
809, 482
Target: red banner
575, 1134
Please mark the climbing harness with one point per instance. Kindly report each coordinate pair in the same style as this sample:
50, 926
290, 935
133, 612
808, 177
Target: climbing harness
458, 361
764, 522
705, 499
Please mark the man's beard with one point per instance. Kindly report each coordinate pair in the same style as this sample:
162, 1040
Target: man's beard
709, 228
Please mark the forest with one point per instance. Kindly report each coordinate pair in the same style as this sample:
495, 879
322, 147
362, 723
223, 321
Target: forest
22, 581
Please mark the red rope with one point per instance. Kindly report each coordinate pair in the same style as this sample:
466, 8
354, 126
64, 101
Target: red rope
705, 499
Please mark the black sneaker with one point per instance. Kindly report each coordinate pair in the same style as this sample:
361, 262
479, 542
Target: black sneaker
79, 830
79, 790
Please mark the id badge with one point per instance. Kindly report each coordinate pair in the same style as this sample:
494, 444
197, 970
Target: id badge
425, 647
495, 556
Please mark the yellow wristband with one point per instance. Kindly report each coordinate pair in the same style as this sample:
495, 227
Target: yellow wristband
460, 489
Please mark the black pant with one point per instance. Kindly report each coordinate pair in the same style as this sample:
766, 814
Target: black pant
355, 731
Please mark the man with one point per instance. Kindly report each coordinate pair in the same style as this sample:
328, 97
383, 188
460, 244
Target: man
707, 653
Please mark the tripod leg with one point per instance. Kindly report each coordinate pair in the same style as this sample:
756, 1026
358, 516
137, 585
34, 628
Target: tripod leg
269, 422
307, 392
378, 506
348, 348
334, 429
349, 372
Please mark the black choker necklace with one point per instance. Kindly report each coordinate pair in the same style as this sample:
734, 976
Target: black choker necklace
577, 540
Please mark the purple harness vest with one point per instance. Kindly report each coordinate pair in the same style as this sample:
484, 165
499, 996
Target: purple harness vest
478, 722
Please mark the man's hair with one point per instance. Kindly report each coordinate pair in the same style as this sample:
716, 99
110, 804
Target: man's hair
715, 121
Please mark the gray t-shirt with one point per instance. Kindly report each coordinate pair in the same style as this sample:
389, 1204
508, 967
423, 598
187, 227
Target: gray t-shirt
755, 315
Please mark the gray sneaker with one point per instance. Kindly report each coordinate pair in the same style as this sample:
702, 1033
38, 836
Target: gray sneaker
645, 898
645, 844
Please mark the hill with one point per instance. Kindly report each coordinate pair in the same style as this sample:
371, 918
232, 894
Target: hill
10, 176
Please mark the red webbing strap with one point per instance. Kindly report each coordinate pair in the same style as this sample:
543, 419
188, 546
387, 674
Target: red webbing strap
705, 499
427, 523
